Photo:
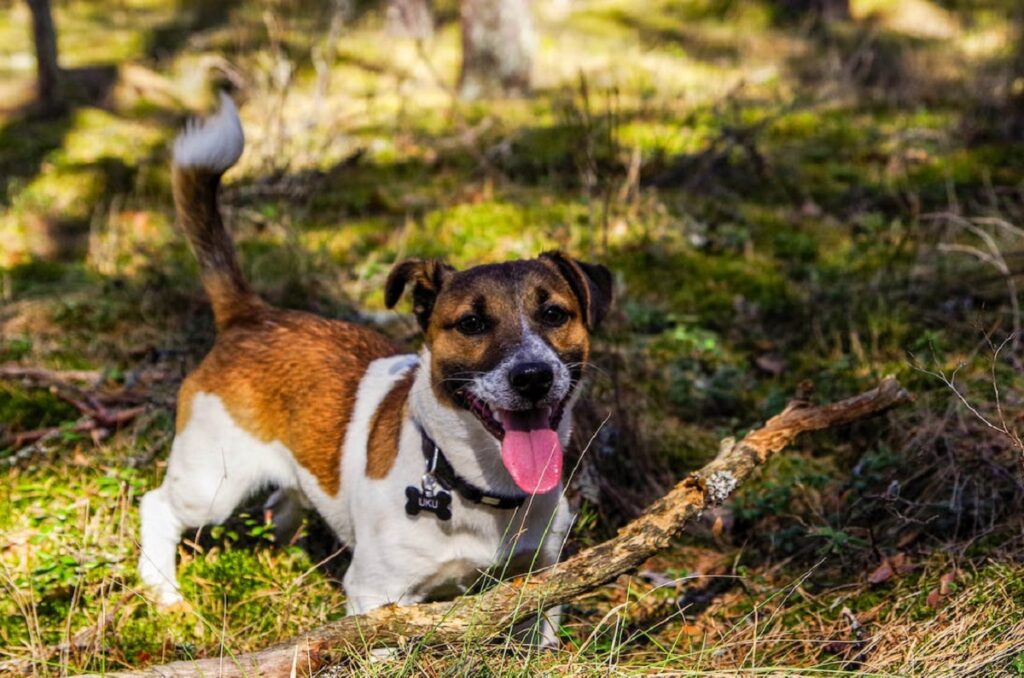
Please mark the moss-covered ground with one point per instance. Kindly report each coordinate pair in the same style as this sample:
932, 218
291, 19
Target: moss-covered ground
781, 200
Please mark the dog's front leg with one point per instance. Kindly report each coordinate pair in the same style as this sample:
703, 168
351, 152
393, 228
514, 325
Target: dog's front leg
372, 581
542, 630
550, 623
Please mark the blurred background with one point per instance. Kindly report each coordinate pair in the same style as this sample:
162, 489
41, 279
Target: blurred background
790, 192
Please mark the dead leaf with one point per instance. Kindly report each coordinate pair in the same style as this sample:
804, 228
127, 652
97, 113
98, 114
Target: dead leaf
890, 567
946, 581
882, 573
717, 527
710, 563
908, 537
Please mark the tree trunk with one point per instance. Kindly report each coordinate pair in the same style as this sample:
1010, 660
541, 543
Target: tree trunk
820, 10
834, 10
410, 19
1015, 81
477, 618
44, 33
498, 42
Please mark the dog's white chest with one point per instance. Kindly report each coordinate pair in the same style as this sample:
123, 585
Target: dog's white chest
404, 559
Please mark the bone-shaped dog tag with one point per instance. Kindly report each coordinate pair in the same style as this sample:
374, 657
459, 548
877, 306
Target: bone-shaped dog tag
438, 503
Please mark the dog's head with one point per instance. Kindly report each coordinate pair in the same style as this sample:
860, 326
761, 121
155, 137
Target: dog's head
509, 342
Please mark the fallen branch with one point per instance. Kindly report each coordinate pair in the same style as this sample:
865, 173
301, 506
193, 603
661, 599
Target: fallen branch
91, 403
476, 618
98, 423
100, 415
41, 374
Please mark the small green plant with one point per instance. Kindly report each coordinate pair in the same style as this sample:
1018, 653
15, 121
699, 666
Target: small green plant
14, 348
836, 541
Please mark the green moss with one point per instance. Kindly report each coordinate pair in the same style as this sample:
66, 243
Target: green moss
26, 409
39, 276
712, 283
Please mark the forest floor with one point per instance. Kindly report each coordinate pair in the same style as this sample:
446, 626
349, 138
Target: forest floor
780, 201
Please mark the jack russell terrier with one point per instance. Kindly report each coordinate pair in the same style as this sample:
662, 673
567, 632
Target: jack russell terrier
433, 468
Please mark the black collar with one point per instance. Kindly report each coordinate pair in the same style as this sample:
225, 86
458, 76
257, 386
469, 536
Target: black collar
452, 481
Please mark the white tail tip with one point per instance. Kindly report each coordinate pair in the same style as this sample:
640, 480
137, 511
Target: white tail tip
215, 143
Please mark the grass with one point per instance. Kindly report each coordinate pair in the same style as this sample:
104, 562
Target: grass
780, 203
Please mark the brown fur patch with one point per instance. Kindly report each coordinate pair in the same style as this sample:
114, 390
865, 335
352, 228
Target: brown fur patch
386, 426
195, 199
291, 377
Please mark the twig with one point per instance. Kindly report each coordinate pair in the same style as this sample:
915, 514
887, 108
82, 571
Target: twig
98, 413
59, 382
476, 618
1001, 428
41, 374
97, 424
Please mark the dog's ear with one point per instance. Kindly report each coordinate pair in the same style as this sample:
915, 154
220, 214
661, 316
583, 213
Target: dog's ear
427, 277
591, 283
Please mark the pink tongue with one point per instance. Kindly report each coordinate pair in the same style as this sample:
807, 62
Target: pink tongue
531, 450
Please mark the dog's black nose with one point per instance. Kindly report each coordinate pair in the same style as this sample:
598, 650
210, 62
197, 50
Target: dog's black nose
531, 380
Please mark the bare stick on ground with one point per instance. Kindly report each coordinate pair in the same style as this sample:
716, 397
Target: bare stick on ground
100, 412
476, 618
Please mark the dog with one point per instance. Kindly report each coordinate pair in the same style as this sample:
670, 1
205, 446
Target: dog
434, 468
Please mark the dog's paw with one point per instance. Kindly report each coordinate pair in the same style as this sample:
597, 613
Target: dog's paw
167, 599
179, 607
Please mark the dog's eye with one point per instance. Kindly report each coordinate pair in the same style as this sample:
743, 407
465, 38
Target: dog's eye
554, 316
471, 324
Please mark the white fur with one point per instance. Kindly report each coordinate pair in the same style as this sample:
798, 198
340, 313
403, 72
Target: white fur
214, 464
215, 143
494, 387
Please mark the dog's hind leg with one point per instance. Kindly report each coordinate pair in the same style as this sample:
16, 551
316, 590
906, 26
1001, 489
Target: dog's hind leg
213, 466
195, 492
161, 531
285, 508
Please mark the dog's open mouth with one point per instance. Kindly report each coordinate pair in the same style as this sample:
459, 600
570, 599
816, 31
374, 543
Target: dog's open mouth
492, 420
530, 448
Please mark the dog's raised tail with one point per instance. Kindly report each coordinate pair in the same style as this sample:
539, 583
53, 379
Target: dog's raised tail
202, 153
